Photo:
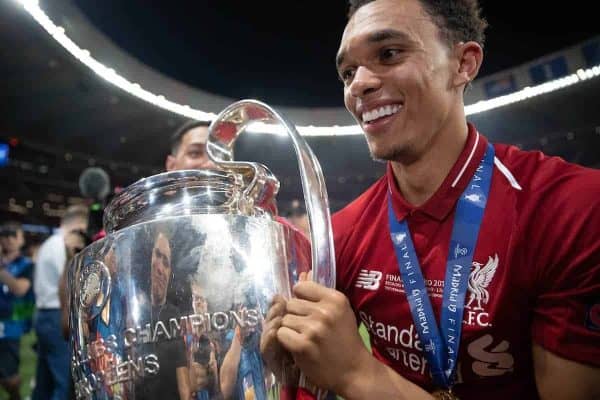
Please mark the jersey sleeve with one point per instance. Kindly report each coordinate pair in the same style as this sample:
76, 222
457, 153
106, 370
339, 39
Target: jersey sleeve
566, 314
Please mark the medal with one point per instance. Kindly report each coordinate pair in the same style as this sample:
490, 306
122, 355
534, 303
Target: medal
444, 395
441, 342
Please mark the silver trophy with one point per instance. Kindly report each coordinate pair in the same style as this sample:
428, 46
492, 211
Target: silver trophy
171, 303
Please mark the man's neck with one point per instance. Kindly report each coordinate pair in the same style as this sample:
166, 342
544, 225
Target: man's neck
419, 179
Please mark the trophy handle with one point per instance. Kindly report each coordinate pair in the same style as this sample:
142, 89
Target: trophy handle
223, 132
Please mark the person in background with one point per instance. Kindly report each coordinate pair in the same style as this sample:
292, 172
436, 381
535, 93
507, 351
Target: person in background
298, 217
16, 304
188, 147
52, 370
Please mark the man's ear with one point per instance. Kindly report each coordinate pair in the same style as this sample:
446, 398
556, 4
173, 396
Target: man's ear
170, 163
470, 57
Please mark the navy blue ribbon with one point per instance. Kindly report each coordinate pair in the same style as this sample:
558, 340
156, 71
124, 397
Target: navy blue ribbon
441, 348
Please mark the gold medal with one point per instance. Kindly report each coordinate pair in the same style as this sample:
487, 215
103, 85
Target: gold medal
444, 394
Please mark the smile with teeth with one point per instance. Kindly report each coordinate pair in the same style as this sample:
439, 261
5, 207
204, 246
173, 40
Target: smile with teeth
380, 112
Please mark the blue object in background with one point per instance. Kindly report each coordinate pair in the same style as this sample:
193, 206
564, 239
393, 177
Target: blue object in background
591, 53
4, 150
552, 69
500, 86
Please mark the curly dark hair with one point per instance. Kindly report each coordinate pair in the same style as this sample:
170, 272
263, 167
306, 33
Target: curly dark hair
457, 20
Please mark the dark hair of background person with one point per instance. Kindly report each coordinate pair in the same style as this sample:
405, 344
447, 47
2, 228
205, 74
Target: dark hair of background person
175, 141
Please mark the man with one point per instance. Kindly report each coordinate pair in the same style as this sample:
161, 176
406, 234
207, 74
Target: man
52, 371
188, 147
16, 304
522, 272
172, 380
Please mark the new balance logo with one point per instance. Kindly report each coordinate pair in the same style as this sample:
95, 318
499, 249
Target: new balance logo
368, 279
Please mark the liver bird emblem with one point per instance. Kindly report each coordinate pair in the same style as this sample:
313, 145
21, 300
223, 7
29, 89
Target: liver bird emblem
479, 279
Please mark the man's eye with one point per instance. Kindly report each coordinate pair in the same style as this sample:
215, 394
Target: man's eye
390, 54
347, 75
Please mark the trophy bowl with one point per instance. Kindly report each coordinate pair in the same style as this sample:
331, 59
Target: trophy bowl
171, 303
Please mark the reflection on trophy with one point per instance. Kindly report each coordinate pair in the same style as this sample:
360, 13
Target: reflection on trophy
170, 305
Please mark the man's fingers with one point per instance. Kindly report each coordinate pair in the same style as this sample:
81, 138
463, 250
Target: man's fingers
293, 322
273, 324
268, 339
309, 290
305, 276
300, 307
293, 341
277, 298
277, 308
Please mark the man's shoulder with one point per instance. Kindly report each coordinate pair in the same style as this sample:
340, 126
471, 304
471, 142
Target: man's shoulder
550, 188
52, 245
538, 173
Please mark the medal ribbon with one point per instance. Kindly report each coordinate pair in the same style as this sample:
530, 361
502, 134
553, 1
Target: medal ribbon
441, 345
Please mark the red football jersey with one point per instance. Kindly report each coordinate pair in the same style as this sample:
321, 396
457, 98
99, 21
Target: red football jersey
535, 272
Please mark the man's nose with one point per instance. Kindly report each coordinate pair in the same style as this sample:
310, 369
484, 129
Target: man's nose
364, 82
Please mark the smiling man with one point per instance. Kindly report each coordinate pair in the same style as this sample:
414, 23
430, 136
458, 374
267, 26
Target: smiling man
474, 266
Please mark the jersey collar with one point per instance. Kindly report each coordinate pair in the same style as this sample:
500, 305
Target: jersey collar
444, 199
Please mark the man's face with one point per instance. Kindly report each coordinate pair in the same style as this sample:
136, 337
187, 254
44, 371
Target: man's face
397, 75
191, 153
161, 269
11, 241
76, 225
80, 225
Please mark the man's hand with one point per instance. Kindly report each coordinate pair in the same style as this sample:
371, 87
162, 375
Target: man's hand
277, 359
17, 286
320, 330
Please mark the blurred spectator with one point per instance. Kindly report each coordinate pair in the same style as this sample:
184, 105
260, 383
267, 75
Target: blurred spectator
52, 374
188, 147
298, 217
16, 304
